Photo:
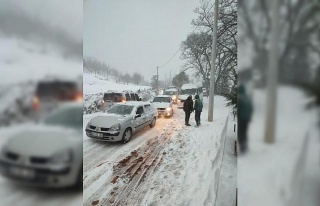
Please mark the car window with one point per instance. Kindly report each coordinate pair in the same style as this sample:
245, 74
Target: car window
139, 110
161, 99
137, 97
67, 117
120, 109
61, 90
147, 108
128, 97
133, 97
114, 97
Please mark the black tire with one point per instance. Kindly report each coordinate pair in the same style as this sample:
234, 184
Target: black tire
125, 138
153, 122
79, 182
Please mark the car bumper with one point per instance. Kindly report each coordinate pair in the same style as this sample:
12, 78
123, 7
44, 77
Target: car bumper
164, 113
104, 136
39, 176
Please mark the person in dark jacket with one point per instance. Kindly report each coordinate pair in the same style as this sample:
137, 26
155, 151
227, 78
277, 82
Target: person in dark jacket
245, 110
188, 108
197, 109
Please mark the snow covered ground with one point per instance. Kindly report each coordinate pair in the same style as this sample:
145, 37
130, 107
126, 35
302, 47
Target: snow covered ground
274, 174
170, 164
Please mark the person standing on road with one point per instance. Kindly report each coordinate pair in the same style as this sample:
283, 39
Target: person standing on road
188, 108
198, 109
245, 110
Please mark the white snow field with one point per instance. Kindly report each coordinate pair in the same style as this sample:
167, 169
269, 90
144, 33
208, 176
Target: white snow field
170, 164
275, 174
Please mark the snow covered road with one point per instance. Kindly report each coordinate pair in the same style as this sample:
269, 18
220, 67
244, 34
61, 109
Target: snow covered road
170, 164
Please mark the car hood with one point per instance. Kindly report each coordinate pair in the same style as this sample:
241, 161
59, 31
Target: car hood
43, 141
107, 120
161, 104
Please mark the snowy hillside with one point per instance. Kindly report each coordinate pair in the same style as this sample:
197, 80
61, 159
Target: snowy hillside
93, 84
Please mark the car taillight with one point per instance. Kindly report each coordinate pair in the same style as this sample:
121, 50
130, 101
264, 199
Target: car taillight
35, 103
77, 97
102, 103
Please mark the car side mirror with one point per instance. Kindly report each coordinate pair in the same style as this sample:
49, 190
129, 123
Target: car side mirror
140, 99
137, 115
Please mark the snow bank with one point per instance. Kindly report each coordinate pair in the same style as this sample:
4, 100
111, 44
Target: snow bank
270, 174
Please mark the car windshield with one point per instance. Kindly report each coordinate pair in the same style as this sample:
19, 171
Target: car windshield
120, 109
169, 93
161, 99
189, 91
67, 117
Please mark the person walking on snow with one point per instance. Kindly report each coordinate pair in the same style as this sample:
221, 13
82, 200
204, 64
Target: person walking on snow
188, 108
198, 109
245, 110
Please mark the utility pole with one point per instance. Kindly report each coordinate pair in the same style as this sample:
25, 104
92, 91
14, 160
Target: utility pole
272, 76
213, 62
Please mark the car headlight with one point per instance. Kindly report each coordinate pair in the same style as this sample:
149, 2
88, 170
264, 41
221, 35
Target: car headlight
168, 109
115, 127
64, 156
174, 97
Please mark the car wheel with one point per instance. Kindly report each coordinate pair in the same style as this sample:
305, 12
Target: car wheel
153, 123
79, 182
126, 135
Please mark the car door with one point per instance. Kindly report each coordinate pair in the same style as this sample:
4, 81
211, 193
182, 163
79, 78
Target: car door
149, 113
140, 120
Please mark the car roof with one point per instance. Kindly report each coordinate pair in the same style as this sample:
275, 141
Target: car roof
70, 105
134, 103
162, 95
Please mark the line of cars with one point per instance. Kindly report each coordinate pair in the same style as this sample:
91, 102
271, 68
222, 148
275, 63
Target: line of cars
125, 114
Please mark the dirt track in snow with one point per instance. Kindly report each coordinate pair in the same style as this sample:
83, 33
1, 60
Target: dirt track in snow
130, 164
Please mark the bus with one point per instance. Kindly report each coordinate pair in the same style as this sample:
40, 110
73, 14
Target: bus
189, 89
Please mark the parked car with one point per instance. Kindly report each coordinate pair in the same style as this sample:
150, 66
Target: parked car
164, 105
121, 121
51, 92
48, 154
113, 97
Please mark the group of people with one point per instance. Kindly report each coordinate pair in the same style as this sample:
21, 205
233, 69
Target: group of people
189, 107
245, 111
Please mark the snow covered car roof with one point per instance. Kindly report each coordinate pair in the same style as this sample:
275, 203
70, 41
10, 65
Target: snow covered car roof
163, 95
172, 90
134, 103
191, 86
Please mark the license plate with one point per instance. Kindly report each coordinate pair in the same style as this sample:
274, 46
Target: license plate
22, 172
96, 134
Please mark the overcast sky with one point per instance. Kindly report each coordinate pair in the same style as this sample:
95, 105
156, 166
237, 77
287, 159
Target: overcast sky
137, 35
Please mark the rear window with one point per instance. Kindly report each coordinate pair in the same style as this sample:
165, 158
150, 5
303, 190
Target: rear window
169, 93
162, 99
60, 90
114, 97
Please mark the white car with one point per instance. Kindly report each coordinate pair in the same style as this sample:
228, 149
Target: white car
48, 154
164, 105
121, 121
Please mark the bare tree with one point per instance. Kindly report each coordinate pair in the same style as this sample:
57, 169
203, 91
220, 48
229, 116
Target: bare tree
137, 78
196, 50
300, 23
